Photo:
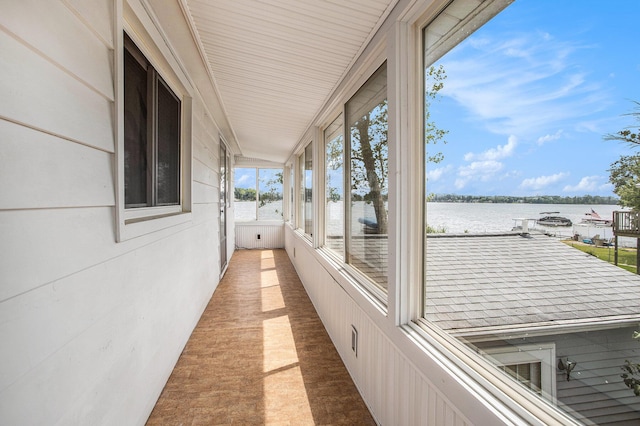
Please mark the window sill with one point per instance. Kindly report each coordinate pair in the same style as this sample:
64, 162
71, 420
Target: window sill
478, 374
305, 237
346, 277
139, 226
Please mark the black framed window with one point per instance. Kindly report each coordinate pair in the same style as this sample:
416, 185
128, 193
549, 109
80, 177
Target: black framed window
152, 114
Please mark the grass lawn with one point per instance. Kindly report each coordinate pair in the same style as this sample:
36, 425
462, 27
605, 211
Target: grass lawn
626, 256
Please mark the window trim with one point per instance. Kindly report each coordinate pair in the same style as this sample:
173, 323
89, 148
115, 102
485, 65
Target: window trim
322, 160
369, 284
545, 353
477, 372
345, 273
301, 159
142, 30
504, 395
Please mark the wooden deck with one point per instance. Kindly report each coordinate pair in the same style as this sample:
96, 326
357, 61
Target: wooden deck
626, 224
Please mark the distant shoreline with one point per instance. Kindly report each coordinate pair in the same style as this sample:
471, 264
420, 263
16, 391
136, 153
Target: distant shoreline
538, 199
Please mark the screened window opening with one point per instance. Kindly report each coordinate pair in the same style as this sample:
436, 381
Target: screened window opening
258, 194
151, 134
334, 191
367, 218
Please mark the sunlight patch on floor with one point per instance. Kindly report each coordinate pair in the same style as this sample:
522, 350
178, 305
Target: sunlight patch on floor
285, 397
279, 348
267, 260
268, 278
271, 298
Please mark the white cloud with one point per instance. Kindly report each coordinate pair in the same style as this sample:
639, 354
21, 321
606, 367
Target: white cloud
497, 153
522, 84
588, 183
548, 138
542, 182
477, 171
435, 174
245, 180
460, 183
481, 168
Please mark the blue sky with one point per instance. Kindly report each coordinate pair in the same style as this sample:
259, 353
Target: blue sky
246, 178
529, 96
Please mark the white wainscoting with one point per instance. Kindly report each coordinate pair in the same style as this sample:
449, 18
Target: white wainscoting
401, 382
271, 235
396, 391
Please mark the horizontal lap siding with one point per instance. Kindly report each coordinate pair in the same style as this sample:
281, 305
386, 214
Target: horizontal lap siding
46, 180
89, 328
63, 39
47, 98
97, 16
596, 389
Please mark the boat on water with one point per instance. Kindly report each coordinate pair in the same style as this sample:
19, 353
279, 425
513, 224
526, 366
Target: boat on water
551, 220
594, 218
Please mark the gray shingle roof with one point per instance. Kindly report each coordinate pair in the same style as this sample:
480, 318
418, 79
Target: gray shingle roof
480, 282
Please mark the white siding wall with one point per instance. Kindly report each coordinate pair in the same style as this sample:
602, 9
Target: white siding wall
596, 389
90, 329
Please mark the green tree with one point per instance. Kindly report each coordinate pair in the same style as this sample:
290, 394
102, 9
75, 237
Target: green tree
369, 148
434, 82
369, 161
244, 194
629, 135
624, 174
274, 187
435, 77
631, 375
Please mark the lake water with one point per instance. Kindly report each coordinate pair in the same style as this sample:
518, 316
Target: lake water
488, 217
479, 217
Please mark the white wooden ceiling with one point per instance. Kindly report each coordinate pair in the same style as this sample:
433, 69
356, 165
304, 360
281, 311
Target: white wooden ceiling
275, 62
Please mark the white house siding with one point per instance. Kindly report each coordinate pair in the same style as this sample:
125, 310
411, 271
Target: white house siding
90, 329
596, 390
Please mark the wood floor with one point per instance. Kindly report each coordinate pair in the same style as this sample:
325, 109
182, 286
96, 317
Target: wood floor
260, 355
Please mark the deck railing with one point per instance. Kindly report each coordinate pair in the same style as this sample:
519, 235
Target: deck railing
626, 224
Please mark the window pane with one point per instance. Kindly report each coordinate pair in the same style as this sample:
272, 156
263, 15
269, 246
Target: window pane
245, 194
334, 154
135, 133
270, 195
168, 167
292, 205
514, 101
301, 190
367, 132
308, 189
